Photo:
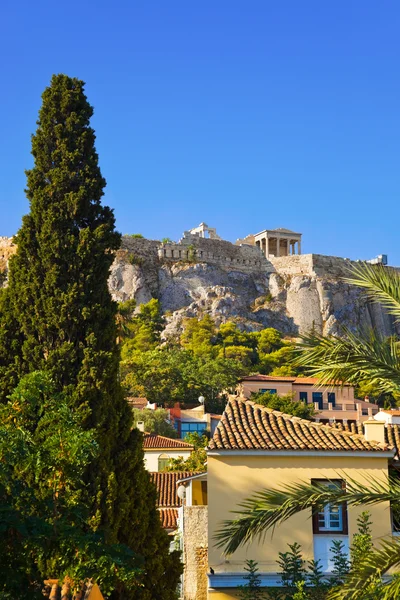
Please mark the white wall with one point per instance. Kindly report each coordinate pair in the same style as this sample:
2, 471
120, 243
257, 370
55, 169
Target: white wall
151, 457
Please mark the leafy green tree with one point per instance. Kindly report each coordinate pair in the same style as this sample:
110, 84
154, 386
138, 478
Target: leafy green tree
362, 540
269, 340
241, 354
44, 520
292, 566
155, 421
166, 376
252, 589
341, 565
285, 404
300, 593
197, 459
269, 363
57, 315
123, 318
229, 334
198, 336
143, 329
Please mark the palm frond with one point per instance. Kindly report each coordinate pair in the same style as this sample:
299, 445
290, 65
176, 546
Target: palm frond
382, 284
353, 358
268, 508
364, 581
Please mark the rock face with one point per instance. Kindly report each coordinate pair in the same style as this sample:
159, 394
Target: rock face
292, 294
231, 282
7, 249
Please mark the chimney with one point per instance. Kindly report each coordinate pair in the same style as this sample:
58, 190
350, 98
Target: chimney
374, 431
140, 426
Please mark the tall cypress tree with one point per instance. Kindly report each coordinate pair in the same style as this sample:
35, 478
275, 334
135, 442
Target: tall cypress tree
57, 315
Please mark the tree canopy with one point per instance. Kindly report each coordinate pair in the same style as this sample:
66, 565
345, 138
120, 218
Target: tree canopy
57, 316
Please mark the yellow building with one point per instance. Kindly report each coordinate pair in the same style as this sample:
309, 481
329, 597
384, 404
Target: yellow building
255, 447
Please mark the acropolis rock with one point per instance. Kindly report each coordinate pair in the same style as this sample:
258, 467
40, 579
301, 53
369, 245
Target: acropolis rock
292, 293
203, 274
7, 249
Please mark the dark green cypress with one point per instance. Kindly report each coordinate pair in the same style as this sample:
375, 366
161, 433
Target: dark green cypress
57, 315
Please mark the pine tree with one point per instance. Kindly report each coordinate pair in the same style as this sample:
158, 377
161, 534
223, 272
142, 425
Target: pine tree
252, 589
58, 316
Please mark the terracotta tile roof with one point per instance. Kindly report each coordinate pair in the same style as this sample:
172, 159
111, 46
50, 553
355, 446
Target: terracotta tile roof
258, 377
392, 437
137, 402
249, 426
393, 412
392, 433
152, 441
169, 517
166, 484
168, 500
348, 425
296, 380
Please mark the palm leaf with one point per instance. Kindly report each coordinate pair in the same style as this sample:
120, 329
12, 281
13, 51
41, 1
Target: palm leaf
268, 508
382, 284
364, 581
353, 358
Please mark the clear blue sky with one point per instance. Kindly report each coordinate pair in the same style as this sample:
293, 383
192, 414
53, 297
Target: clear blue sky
243, 114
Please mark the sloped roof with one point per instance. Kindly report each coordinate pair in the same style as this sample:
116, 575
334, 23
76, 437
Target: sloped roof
293, 379
153, 441
166, 484
249, 426
392, 433
169, 517
137, 402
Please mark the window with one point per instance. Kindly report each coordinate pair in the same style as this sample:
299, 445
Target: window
163, 461
332, 517
267, 391
332, 398
304, 397
317, 397
186, 428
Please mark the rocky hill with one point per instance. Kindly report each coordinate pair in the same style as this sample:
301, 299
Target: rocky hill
230, 282
236, 282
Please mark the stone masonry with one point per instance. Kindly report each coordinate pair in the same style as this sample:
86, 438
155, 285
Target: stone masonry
195, 552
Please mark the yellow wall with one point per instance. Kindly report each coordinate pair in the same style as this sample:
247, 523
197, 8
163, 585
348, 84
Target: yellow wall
232, 479
199, 493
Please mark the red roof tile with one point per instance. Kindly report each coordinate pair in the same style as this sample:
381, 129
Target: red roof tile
249, 426
169, 517
137, 402
153, 441
295, 380
166, 484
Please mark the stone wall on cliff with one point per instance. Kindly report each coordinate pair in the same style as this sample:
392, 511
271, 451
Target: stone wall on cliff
293, 293
231, 282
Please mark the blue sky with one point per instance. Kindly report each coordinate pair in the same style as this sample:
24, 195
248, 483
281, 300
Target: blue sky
243, 114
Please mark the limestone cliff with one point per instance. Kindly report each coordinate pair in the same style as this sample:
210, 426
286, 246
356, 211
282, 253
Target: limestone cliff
237, 283
7, 249
232, 282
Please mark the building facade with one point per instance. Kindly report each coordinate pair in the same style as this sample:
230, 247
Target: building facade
255, 447
160, 450
331, 402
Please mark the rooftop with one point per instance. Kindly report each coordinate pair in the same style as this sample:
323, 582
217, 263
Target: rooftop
152, 441
168, 501
249, 426
166, 484
299, 380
